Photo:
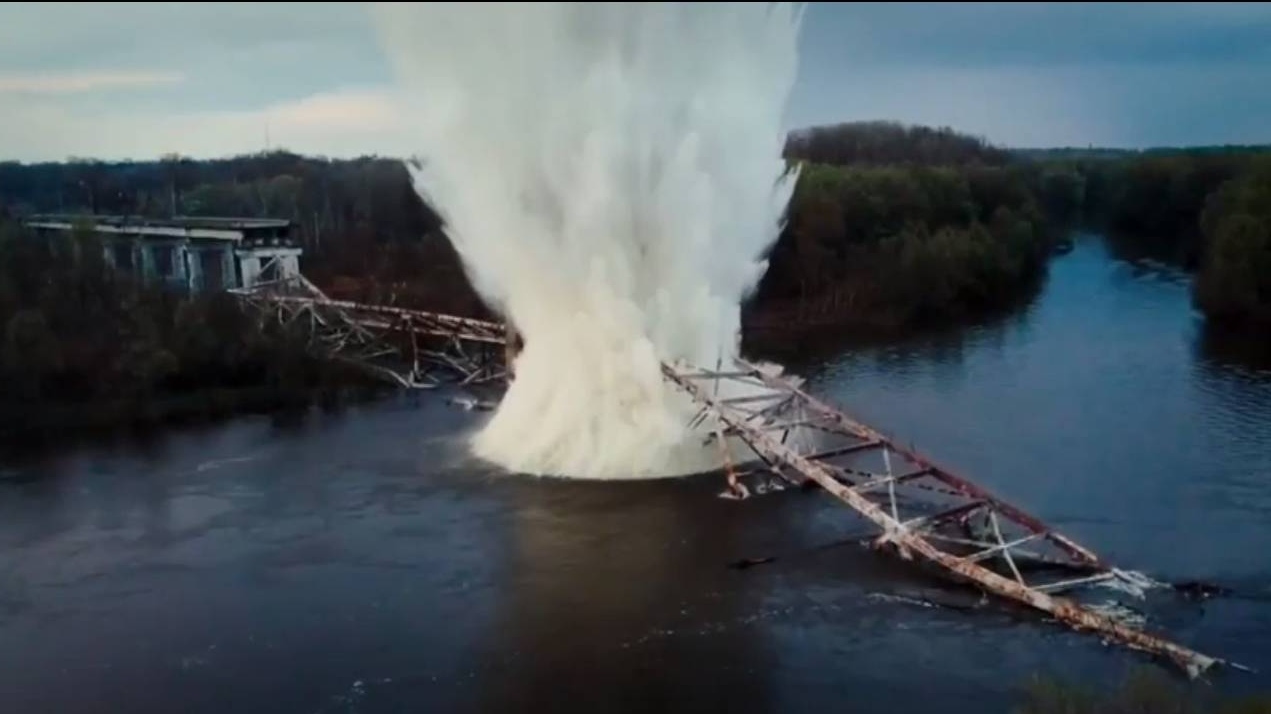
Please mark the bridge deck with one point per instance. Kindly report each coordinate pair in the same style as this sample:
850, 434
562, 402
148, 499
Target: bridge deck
921, 508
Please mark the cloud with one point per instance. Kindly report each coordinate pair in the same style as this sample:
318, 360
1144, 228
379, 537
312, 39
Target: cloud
233, 55
88, 81
1008, 105
1039, 74
348, 122
206, 79
1130, 105
1041, 34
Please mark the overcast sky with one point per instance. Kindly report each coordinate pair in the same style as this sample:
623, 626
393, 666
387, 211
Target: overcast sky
116, 80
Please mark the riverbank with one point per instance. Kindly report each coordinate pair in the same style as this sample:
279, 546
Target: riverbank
42, 424
1206, 211
797, 331
86, 347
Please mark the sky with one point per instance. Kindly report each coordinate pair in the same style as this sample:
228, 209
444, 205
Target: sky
137, 80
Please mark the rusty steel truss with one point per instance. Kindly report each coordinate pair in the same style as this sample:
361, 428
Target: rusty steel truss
923, 510
410, 348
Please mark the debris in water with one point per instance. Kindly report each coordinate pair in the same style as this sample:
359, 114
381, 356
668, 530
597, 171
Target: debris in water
1201, 590
925, 511
748, 562
471, 403
1121, 613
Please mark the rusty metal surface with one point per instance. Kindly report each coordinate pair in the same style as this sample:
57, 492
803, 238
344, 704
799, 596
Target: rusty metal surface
410, 348
924, 511
424, 323
945, 475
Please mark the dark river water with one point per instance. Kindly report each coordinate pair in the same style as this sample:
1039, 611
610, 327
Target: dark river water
359, 562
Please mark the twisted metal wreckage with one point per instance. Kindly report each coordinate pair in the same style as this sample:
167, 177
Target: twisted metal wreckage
925, 513
410, 348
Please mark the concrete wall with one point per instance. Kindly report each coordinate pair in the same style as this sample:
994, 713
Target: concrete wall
201, 257
184, 258
252, 262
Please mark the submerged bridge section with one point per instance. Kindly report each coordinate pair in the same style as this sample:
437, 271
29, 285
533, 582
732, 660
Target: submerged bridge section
924, 512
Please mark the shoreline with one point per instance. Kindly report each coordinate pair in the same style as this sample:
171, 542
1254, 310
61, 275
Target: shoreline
37, 425
788, 331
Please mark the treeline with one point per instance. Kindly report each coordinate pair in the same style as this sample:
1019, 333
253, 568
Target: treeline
918, 233
77, 337
1073, 153
890, 224
1205, 210
871, 188
331, 201
897, 245
893, 225
1233, 284
886, 143
1155, 201
364, 229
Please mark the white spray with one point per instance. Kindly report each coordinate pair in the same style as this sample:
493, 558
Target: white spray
610, 173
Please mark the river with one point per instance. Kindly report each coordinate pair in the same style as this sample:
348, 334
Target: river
359, 562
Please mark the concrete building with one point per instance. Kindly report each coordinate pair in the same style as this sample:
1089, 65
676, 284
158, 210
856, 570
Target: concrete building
193, 254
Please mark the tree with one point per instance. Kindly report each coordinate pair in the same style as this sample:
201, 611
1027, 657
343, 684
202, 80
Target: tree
1234, 281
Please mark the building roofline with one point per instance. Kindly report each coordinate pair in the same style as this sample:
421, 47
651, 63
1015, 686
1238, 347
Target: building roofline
226, 229
215, 222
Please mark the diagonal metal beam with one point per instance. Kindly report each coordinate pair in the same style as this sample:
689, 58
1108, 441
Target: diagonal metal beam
909, 536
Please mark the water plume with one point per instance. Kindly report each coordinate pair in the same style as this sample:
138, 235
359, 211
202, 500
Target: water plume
611, 176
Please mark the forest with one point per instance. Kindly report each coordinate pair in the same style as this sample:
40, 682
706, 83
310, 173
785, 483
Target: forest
1204, 210
894, 226
86, 346
891, 226
903, 224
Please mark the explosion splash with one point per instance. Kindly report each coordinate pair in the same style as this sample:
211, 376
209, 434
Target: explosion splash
611, 175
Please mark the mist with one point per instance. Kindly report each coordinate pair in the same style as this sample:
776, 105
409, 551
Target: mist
611, 176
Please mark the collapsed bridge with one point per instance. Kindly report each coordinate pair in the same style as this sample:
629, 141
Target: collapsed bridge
924, 512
